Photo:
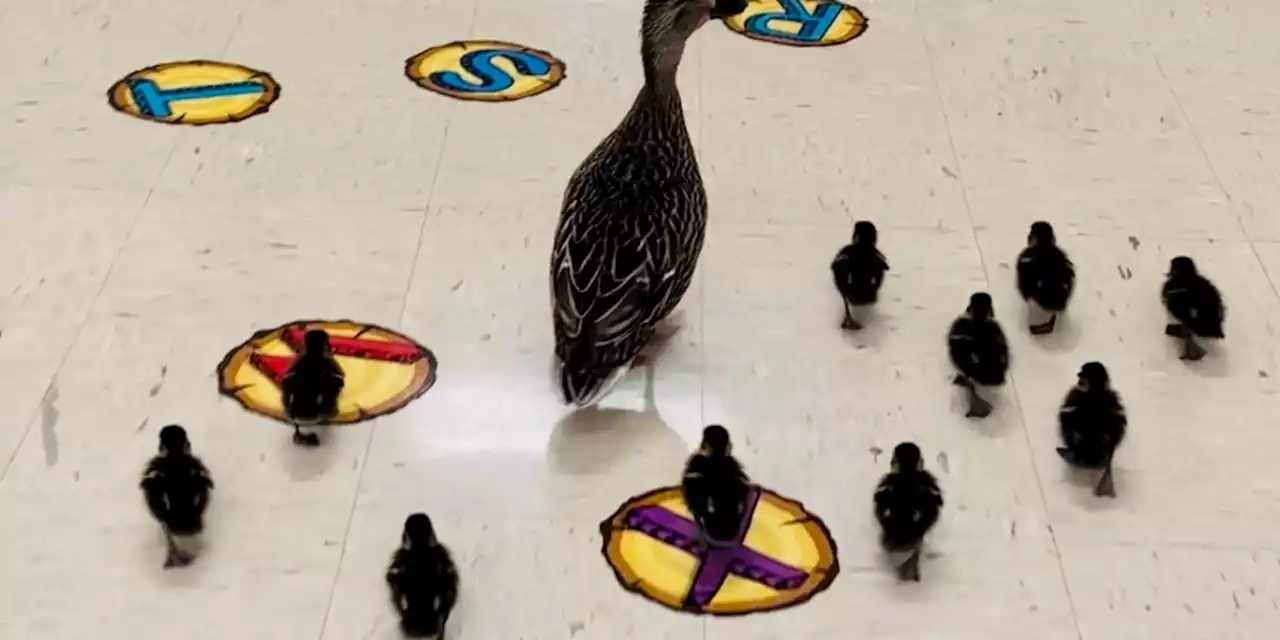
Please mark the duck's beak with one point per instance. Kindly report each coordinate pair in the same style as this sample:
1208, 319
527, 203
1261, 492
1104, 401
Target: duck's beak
727, 8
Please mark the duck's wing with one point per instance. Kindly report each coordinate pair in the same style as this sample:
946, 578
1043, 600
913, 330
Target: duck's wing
609, 281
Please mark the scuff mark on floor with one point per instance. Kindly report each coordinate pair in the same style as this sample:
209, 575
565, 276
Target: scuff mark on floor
164, 371
49, 415
875, 453
944, 462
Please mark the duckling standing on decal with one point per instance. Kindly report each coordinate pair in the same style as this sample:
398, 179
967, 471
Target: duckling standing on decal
311, 387
859, 271
1195, 306
1046, 278
633, 219
423, 580
177, 486
908, 502
979, 352
716, 488
1093, 424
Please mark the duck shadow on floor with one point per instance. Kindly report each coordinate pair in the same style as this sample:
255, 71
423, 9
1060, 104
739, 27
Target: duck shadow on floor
308, 463
599, 439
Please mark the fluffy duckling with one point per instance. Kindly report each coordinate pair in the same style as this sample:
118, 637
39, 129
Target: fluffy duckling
1093, 424
1046, 278
979, 352
1194, 305
423, 580
716, 487
908, 502
177, 486
859, 271
311, 387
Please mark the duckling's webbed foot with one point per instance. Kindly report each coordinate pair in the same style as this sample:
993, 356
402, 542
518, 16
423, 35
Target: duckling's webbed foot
308, 439
1174, 330
1065, 454
176, 556
1191, 351
978, 407
849, 323
1106, 485
1045, 327
909, 571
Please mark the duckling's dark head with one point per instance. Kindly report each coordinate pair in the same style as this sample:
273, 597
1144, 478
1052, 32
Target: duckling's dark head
980, 306
1094, 376
1041, 233
418, 531
715, 441
316, 342
1182, 266
864, 233
906, 456
174, 439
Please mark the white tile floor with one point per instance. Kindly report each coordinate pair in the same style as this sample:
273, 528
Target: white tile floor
134, 255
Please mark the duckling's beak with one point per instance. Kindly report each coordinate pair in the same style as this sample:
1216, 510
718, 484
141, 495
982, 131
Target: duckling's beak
727, 8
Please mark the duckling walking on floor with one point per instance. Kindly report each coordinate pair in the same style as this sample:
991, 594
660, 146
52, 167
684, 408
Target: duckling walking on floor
177, 486
423, 580
1093, 424
716, 488
908, 502
1046, 278
859, 271
633, 219
979, 352
1195, 306
311, 387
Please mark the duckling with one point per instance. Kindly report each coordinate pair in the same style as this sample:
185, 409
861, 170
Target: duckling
979, 352
908, 502
716, 488
859, 271
1194, 305
423, 580
633, 219
1046, 278
1093, 424
311, 387
177, 486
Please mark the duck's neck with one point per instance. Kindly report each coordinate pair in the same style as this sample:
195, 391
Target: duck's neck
660, 66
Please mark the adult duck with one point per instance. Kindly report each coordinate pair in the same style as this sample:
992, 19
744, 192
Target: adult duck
633, 219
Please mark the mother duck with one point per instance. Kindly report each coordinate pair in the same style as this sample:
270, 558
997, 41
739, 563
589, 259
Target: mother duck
633, 219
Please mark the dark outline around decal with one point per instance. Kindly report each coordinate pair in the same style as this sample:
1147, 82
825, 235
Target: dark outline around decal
271, 93
234, 392
607, 528
559, 71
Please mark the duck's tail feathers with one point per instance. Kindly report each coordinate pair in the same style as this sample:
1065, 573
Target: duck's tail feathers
585, 388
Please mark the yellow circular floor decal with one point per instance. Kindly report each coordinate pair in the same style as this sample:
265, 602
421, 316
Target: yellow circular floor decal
384, 370
485, 70
783, 557
801, 23
195, 92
